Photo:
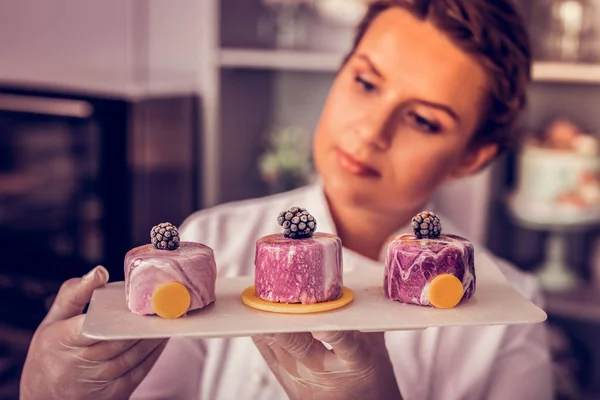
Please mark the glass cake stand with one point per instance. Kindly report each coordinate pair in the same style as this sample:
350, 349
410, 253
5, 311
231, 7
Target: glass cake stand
554, 273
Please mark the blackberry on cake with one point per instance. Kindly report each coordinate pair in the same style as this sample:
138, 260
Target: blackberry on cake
426, 225
297, 223
165, 236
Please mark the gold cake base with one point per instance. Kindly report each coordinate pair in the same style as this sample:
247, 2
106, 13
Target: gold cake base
250, 299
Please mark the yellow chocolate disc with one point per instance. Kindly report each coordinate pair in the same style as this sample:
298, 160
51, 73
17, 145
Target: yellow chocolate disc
171, 300
445, 291
251, 300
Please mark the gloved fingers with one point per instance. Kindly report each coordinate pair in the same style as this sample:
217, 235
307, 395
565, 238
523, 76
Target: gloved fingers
122, 386
68, 333
288, 349
302, 347
122, 364
264, 343
350, 346
279, 361
106, 350
126, 383
74, 294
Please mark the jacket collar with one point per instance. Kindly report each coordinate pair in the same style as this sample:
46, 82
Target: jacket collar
317, 205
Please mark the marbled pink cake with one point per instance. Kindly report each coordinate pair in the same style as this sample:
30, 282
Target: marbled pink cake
412, 263
191, 264
306, 271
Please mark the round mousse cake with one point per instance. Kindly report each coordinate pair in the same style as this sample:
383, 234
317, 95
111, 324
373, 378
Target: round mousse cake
427, 268
298, 265
168, 277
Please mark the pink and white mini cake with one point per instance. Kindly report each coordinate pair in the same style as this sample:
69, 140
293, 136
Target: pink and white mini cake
298, 265
167, 277
427, 268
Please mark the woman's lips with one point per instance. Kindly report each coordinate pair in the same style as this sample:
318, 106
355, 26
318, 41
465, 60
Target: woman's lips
355, 167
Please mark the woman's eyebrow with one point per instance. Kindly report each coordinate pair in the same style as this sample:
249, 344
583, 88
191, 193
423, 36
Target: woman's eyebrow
442, 107
370, 64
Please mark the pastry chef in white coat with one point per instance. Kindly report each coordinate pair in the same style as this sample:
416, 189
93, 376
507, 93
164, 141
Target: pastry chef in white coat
428, 93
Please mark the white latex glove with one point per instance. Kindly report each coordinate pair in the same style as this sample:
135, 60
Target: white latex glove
62, 364
357, 367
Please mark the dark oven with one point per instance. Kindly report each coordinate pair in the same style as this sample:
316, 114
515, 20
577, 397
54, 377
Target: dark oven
82, 180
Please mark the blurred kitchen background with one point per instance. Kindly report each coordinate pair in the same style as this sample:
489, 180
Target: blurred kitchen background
119, 114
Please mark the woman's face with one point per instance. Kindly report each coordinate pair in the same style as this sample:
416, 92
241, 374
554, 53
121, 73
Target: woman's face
399, 117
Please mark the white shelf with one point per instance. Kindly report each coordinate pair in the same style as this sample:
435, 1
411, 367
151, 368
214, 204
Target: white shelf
326, 62
95, 83
566, 73
280, 60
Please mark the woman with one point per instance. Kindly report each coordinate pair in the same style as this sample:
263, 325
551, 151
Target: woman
428, 93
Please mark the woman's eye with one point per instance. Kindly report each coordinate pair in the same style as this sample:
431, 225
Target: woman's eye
366, 86
424, 124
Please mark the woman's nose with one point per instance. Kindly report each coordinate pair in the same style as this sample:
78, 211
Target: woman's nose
374, 129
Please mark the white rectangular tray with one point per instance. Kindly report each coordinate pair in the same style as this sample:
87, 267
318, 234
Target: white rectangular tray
495, 303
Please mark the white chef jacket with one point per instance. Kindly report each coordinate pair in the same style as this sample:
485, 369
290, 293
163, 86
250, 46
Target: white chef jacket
482, 362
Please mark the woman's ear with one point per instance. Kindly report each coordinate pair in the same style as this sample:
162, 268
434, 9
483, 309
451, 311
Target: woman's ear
475, 159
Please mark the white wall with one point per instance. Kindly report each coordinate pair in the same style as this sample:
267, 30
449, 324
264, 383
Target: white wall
99, 44
175, 37
51, 39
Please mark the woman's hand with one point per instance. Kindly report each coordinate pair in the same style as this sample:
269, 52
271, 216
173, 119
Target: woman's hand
62, 364
357, 367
